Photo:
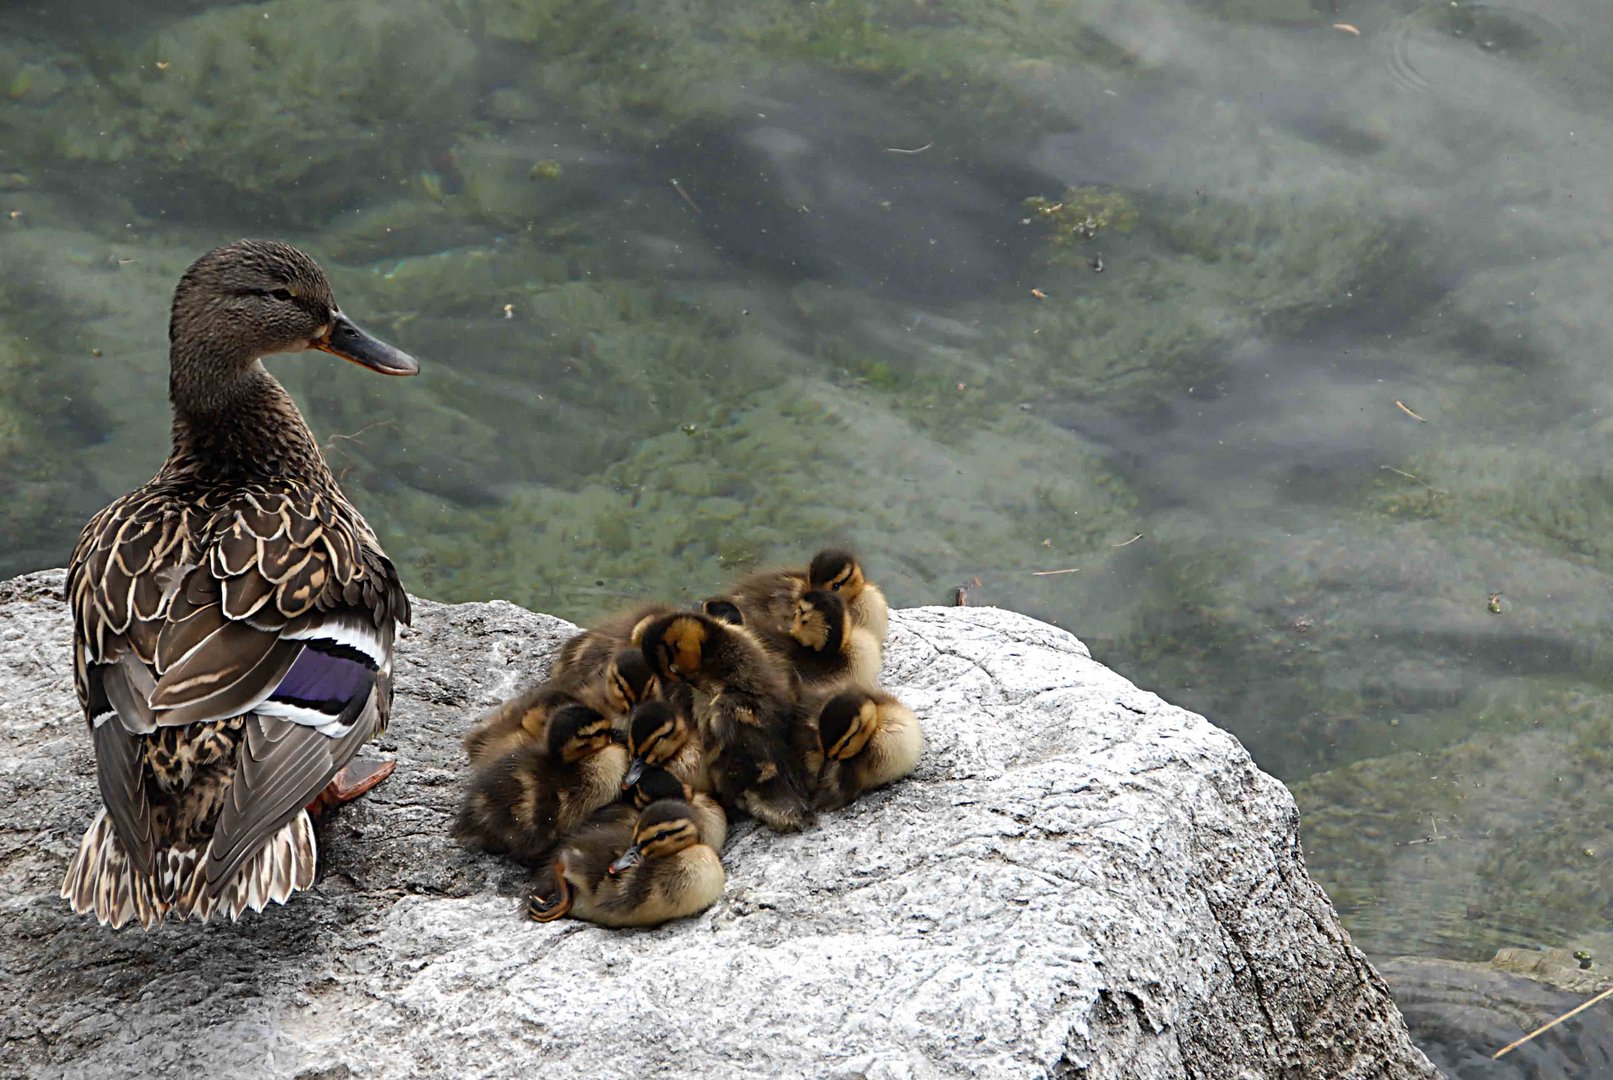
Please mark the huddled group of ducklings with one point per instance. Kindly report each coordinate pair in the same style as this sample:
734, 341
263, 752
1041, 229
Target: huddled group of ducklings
613, 775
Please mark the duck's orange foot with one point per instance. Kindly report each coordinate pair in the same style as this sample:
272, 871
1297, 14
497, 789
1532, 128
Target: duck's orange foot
355, 778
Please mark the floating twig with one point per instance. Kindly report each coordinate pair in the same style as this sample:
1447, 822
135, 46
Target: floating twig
899, 150
1347, 28
1050, 573
1547, 1027
1133, 540
354, 437
1402, 406
684, 195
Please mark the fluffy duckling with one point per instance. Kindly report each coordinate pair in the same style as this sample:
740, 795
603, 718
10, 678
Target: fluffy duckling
823, 647
655, 784
522, 802
660, 736
769, 596
625, 682
745, 711
723, 610
585, 656
838, 571
523, 718
663, 872
865, 739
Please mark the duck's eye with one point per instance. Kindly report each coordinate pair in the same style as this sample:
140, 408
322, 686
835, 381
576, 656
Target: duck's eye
280, 294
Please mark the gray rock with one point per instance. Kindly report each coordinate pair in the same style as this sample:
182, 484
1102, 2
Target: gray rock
1079, 881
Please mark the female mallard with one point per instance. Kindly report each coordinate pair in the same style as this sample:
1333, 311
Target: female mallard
232, 618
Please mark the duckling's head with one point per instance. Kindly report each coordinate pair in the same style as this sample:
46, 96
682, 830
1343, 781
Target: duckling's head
654, 784
836, 570
656, 734
847, 722
723, 610
665, 827
251, 298
676, 646
628, 680
577, 732
819, 621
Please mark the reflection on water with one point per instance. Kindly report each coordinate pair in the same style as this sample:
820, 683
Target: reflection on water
1324, 431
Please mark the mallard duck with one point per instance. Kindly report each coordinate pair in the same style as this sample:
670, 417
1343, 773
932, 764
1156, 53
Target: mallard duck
584, 656
625, 682
233, 618
822, 647
865, 739
654, 784
744, 710
523, 801
723, 610
663, 872
838, 571
769, 596
659, 736
523, 718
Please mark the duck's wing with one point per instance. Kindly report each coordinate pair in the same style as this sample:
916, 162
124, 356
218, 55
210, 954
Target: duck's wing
284, 615
120, 580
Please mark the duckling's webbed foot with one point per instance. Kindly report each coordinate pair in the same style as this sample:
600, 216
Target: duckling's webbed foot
551, 896
354, 779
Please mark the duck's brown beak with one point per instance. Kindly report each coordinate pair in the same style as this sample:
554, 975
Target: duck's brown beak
343, 338
629, 859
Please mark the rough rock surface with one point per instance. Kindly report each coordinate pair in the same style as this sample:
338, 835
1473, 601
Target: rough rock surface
1080, 881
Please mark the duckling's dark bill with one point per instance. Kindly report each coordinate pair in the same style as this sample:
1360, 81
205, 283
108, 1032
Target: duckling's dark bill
345, 339
628, 859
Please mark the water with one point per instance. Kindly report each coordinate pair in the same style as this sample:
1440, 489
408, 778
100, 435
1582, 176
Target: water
1323, 440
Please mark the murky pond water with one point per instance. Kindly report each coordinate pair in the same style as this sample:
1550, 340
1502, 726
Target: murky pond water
1277, 327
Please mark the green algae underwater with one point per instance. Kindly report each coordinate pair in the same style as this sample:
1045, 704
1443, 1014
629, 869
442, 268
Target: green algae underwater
1286, 341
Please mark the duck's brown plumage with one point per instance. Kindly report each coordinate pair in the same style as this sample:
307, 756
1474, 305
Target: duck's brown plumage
233, 617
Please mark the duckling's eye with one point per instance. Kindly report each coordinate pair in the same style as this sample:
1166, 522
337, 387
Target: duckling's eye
280, 294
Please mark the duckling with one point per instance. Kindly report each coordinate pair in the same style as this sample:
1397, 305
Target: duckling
723, 610
523, 718
865, 739
655, 784
745, 712
838, 571
769, 596
625, 682
665, 872
522, 802
822, 646
660, 736
584, 656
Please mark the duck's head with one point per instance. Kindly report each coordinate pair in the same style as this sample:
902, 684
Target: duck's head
655, 784
819, 621
252, 298
676, 646
656, 735
577, 732
628, 680
846, 723
723, 610
665, 827
836, 570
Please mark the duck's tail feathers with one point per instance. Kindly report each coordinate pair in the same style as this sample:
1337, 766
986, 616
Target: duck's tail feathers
101, 881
